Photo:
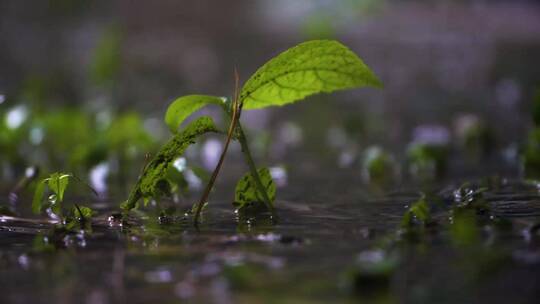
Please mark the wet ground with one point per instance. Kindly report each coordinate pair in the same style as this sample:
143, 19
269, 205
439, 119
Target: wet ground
343, 242
335, 239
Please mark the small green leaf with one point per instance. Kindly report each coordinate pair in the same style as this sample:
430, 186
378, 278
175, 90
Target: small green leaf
183, 107
82, 212
419, 211
318, 66
157, 169
58, 182
246, 190
38, 196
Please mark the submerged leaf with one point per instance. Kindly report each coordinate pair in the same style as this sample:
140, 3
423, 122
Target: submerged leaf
318, 66
155, 172
247, 192
464, 229
183, 107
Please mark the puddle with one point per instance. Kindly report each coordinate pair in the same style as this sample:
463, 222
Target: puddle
320, 250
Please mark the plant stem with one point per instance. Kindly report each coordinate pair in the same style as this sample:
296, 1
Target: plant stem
234, 120
234, 126
252, 168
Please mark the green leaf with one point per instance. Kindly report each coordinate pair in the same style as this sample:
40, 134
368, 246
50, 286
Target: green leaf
318, 66
156, 170
183, 107
419, 211
58, 182
38, 196
82, 212
246, 190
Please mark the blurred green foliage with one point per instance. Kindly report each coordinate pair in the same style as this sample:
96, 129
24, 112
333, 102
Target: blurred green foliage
464, 230
418, 214
105, 64
427, 161
530, 156
379, 166
70, 138
536, 108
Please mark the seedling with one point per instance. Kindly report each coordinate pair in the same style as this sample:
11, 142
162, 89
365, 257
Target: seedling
57, 183
318, 66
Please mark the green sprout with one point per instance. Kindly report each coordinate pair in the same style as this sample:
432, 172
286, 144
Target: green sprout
57, 183
318, 66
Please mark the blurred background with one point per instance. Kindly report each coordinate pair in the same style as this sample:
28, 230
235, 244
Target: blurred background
84, 84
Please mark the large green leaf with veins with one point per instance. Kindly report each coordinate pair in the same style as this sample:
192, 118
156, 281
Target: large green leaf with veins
183, 107
155, 172
318, 66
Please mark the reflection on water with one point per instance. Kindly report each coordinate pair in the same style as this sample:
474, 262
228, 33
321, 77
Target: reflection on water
342, 242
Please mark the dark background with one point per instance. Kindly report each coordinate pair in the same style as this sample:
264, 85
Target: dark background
439, 60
